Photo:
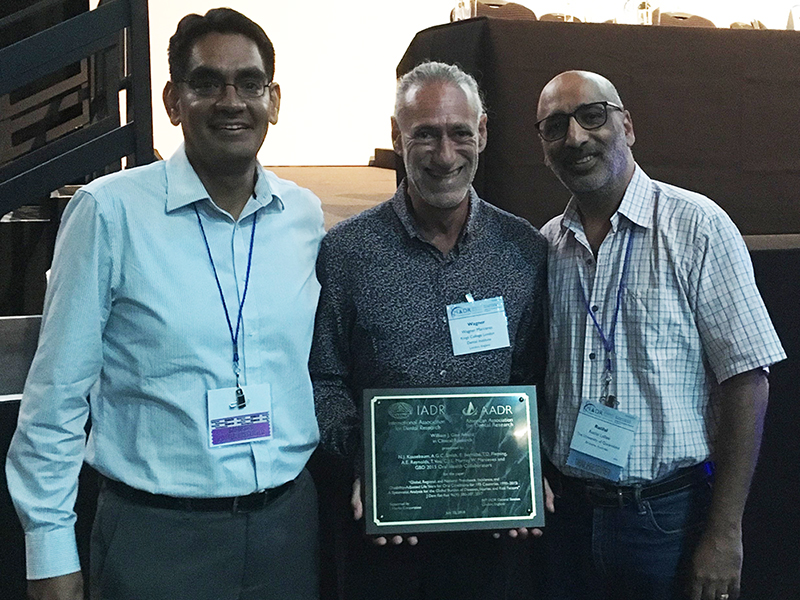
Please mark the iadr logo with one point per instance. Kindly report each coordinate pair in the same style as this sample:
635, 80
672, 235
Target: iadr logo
589, 407
400, 411
458, 311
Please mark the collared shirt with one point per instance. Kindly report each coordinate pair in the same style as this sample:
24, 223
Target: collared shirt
133, 315
382, 318
690, 317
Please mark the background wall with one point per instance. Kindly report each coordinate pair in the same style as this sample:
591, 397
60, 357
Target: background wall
335, 62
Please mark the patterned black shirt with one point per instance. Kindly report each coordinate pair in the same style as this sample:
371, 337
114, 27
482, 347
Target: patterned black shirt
382, 319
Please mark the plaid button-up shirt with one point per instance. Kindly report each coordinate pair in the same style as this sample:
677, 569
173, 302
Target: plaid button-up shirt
690, 317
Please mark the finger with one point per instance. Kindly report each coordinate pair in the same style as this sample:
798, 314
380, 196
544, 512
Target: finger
523, 533
496, 535
355, 500
549, 497
694, 589
712, 592
536, 532
727, 592
734, 590
397, 540
709, 591
412, 540
379, 541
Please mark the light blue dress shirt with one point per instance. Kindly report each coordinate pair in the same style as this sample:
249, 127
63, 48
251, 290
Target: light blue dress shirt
133, 315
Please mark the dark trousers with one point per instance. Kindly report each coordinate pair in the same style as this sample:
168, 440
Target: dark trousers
639, 551
457, 566
139, 552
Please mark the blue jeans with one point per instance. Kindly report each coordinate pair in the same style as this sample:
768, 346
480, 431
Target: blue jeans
640, 551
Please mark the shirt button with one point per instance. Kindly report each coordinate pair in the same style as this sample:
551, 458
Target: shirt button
592, 355
443, 372
594, 308
444, 319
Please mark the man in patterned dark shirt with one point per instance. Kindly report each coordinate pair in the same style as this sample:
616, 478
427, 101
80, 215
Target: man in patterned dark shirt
387, 276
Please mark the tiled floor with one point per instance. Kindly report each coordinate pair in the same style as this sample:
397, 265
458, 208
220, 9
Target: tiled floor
344, 191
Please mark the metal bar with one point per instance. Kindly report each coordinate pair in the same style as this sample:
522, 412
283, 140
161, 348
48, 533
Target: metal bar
28, 11
76, 38
47, 153
71, 165
139, 93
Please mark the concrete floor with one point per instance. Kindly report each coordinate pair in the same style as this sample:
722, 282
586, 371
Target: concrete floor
344, 191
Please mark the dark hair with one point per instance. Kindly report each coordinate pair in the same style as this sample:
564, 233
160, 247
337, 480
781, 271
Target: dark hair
217, 20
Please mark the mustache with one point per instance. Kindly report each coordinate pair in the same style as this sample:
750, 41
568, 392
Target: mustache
572, 154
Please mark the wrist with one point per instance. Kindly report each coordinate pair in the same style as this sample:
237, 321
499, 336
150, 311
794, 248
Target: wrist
726, 527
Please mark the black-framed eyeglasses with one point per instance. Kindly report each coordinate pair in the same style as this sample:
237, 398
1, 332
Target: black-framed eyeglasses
589, 116
213, 87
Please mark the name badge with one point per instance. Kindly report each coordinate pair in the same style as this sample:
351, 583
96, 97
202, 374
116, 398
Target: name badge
478, 326
602, 440
230, 424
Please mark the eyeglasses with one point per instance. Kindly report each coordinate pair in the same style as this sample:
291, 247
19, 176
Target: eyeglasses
589, 116
212, 87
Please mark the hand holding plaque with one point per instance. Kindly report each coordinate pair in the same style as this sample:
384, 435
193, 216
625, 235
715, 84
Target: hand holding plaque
448, 459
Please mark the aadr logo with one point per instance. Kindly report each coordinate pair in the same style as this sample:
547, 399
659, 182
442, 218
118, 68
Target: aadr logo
469, 411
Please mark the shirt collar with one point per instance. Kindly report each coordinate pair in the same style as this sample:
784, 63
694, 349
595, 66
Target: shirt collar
184, 187
637, 203
636, 206
400, 203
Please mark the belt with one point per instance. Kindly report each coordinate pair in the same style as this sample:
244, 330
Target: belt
235, 504
600, 493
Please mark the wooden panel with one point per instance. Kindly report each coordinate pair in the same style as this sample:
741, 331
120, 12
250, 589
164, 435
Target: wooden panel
45, 115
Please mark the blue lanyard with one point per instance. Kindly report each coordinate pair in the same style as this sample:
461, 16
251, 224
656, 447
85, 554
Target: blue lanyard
240, 399
609, 340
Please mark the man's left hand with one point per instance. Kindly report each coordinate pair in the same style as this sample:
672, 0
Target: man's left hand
717, 566
523, 532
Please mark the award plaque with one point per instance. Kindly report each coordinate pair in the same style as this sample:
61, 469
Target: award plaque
451, 459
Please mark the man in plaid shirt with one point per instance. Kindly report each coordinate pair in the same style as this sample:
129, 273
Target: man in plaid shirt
656, 379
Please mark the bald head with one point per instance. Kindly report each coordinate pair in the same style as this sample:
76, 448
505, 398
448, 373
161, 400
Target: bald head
588, 150
576, 83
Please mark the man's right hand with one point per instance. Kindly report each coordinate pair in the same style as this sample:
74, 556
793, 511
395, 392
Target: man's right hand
64, 587
358, 513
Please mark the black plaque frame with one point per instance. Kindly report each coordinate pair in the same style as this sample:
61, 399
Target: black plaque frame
416, 415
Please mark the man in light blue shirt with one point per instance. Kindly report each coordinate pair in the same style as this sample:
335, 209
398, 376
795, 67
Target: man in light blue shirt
182, 302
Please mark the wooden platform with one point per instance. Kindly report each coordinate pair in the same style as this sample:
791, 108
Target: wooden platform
344, 191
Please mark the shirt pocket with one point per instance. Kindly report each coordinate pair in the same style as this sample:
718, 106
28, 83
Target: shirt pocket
651, 325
